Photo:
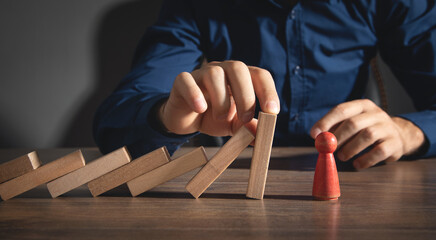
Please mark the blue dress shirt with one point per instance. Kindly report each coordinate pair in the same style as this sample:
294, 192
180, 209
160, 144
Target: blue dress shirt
317, 51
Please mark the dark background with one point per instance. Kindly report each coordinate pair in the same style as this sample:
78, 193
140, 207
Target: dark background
59, 59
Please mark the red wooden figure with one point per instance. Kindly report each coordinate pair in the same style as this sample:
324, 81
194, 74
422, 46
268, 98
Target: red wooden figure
326, 181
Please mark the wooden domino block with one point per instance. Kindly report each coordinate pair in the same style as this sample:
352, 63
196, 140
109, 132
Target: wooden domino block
219, 162
261, 155
19, 166
41, 175
130, 171
90, 172
173, 169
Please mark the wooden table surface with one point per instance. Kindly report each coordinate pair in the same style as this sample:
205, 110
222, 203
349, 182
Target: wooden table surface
391, 201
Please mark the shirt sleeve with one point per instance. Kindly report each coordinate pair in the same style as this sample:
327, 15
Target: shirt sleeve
407, 33
169, 47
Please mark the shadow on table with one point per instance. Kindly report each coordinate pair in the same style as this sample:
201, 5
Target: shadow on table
185, 195
242, 196
302, 162
290, 197
173, 195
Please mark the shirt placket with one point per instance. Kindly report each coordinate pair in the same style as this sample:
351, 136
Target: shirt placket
295, 67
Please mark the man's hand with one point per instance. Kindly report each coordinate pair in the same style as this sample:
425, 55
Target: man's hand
218, 99
360, 124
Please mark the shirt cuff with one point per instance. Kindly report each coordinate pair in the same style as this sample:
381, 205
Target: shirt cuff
155, 137
425, 120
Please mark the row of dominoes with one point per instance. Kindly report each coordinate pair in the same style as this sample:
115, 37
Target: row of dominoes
144, 173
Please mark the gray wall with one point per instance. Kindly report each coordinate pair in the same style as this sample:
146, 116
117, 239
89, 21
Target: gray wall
59, 59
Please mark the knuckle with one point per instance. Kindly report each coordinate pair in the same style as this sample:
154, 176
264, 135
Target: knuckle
385, 118
372, 106
182, 75
237, 65
346, 153
214, 72
383, 115
368, 102
376, 108
251, 99
181, 79
341, 109
352, 123
322, 125
369, 134
248, 100
260, 72
397, 156
371, 163
393, 158
381, 151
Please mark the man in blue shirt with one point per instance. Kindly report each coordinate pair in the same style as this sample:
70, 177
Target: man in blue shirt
202, 66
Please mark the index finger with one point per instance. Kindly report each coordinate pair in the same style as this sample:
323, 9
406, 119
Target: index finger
265, 89
338, 114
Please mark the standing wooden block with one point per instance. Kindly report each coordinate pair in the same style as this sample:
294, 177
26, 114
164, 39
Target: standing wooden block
90, 172
173, 169
261, 155
130, 171
219, 162
43, 174
19, 166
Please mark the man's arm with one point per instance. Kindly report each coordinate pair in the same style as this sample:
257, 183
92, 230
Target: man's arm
164, 100
169, 47
407, 36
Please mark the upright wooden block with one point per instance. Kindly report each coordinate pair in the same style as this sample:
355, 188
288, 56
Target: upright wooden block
19, 166
173, 169
219, 162
90, 172
261, 155
42, 175
130, 171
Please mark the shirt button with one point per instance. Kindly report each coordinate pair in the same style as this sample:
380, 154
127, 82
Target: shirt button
296, 70
293, 14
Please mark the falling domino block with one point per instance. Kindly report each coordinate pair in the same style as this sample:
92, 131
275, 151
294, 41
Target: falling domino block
90, 172
130, 171
261, 155
19, 166
43, 174
173, 169
219, 162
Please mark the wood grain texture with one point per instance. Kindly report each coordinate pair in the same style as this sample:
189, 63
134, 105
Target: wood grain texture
90, 172
390, 201
42, 175
261, 155
173, 169
129, 171
19, 166
223, 158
